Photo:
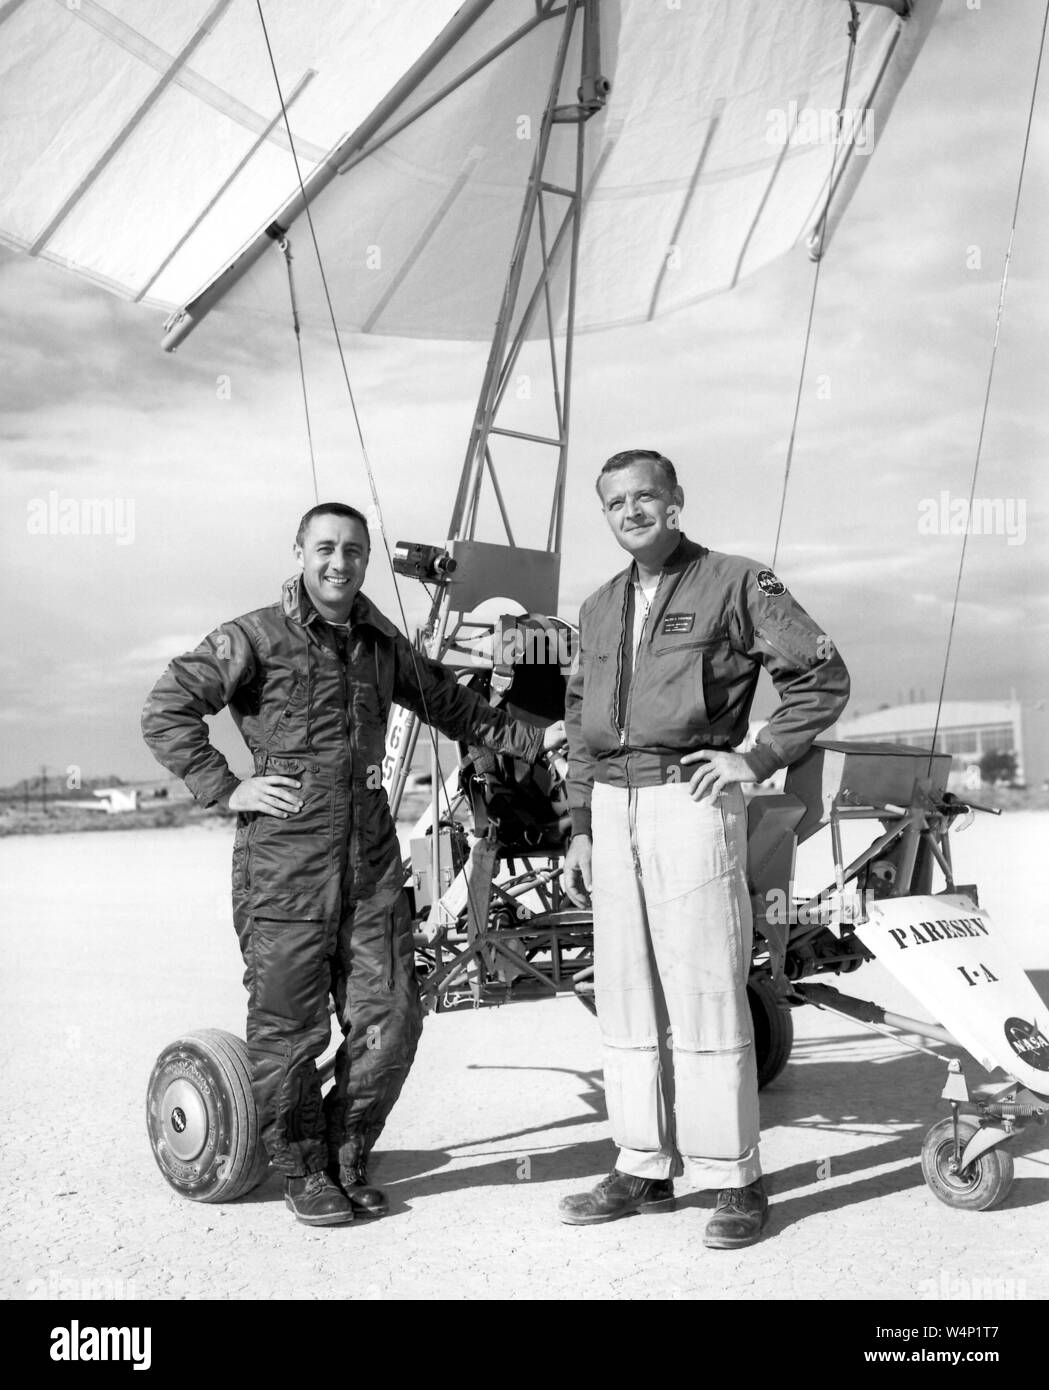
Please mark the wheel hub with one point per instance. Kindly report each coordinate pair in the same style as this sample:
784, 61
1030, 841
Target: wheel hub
950, 1171
185, 1119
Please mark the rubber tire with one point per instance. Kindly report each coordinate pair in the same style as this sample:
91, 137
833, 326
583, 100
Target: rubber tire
773, 1029
213, 1074
982, 1185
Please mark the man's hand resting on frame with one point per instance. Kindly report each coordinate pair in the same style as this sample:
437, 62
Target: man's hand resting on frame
555, 740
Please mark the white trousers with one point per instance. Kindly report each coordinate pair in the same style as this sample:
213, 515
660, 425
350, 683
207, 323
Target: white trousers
672, 943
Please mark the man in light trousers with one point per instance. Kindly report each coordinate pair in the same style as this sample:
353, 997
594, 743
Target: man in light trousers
670, 654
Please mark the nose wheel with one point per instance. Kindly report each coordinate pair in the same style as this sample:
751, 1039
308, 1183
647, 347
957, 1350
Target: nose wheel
981, 1184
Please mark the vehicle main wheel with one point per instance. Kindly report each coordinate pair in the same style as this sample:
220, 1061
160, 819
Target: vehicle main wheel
773, 1029
201, 1117
979, 1186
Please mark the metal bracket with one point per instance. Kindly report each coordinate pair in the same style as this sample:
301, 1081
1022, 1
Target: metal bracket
482, 571
956, 1088
470, 890
986, 1137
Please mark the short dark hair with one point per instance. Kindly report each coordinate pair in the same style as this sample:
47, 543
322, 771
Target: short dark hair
629, 456
331, 509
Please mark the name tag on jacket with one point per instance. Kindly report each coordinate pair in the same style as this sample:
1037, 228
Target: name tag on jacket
678, 622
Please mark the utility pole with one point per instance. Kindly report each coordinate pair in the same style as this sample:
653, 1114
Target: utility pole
43, 788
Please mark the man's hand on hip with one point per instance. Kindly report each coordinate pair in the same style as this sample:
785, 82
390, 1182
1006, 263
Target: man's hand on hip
267, 796
577, 879
715, 771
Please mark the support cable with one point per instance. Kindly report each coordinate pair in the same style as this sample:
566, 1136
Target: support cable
353, 404
853, 31
285, 246
987, 391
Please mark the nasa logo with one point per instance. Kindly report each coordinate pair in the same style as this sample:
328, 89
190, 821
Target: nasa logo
1028, 1042
769, 584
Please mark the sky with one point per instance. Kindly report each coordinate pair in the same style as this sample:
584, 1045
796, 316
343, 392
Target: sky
207, 446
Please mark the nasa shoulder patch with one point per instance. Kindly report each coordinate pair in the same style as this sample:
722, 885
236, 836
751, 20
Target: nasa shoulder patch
769, 584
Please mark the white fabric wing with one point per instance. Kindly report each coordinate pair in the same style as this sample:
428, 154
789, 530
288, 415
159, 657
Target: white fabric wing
147, 150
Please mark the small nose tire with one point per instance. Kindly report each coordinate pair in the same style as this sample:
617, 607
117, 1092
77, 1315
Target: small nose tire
201, 1118
981, 1185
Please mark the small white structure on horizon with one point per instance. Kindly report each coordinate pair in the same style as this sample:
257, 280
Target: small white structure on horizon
117, 799
112, 800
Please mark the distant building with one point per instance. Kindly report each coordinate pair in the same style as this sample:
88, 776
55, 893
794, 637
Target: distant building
112, 800
968, 730
117, 799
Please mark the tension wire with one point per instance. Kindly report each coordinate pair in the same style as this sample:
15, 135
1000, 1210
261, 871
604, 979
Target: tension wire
853, 31
356, 416
987, 391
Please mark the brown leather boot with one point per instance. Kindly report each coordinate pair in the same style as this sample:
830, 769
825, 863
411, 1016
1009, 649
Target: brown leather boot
618, 1195
348, 1166
739, 1217
316, 1200
367, 1200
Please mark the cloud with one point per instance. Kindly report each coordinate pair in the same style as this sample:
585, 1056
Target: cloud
159, 651
210, 443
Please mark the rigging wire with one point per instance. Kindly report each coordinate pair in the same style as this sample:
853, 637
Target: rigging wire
853, 31
285, 245
353, 405
987, 391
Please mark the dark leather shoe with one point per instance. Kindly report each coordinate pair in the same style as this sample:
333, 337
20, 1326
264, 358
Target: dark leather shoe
739, 1217
618, 1195
367, 1200
317, 1201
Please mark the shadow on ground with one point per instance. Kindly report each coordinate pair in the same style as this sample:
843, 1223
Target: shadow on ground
896, 1095
829, 1099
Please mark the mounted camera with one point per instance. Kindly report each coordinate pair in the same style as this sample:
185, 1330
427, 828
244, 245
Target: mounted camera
428, 563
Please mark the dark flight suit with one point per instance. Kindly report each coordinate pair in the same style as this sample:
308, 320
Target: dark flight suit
318, 898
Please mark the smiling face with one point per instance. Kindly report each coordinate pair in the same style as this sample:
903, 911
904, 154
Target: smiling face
642, 511
333, 558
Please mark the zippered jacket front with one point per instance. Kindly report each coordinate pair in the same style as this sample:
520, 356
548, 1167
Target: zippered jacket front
289, 698
305, 707
714, 622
